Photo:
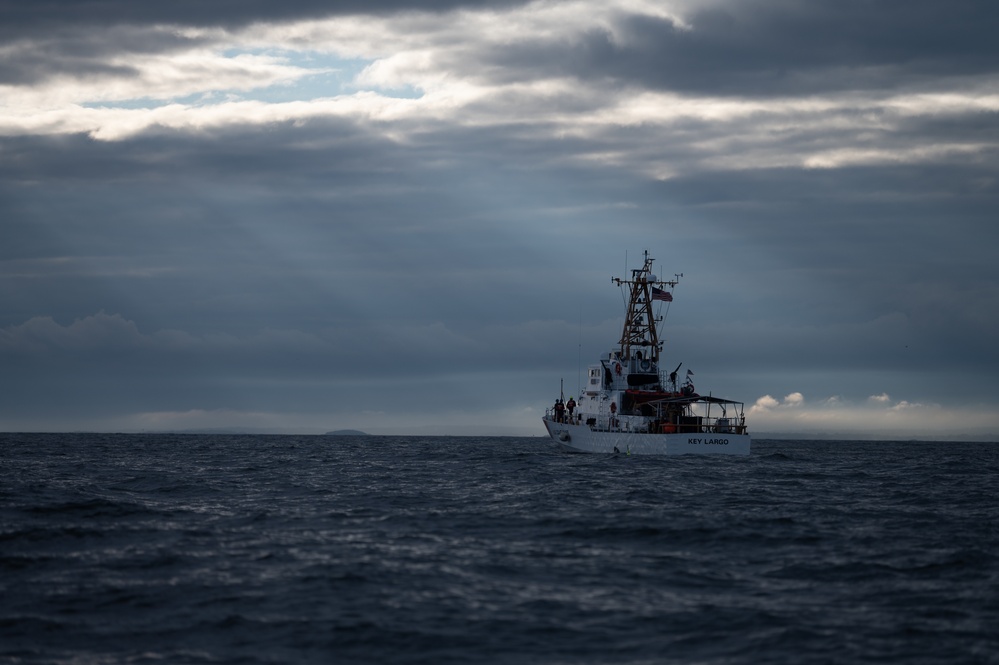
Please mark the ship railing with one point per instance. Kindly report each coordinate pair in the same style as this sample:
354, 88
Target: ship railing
550, 414
652, 425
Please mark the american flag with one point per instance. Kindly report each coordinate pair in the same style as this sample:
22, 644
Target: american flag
659, 294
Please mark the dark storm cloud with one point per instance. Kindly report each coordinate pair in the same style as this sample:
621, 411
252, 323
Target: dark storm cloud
75, 37
361, 210
105, 359
321, 147
74, 50
328, 216
18, 17
778, 48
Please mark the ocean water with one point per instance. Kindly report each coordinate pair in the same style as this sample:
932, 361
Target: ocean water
312, 549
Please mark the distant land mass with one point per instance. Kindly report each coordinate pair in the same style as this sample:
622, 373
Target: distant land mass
347, 432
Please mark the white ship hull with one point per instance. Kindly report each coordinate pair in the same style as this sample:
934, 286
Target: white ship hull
583, 439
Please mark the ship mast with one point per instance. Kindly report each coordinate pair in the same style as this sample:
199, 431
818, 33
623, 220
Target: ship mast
640, 321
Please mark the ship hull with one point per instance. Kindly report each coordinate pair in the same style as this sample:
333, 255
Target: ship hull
583, 439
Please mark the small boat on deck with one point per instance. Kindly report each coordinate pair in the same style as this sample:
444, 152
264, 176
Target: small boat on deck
629, 405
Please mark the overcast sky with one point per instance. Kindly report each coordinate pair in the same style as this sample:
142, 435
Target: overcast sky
274, 217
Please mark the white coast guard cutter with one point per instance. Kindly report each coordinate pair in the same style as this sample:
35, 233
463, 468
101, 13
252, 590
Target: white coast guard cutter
630, 406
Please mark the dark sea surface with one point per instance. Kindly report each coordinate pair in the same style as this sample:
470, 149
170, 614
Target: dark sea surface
318, 549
